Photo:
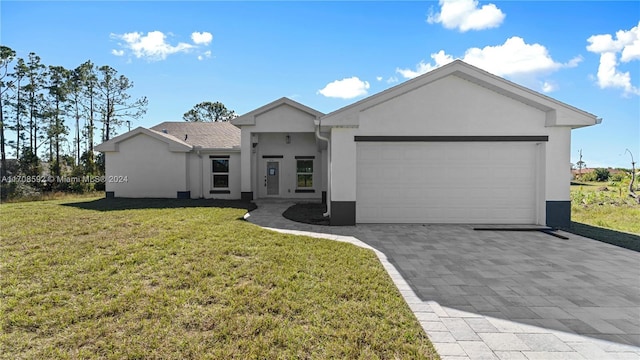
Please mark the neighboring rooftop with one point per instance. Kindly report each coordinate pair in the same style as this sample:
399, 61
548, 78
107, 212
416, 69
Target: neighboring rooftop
208, 135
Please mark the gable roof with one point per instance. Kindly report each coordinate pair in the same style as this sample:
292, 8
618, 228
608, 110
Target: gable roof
558, 113
182, 136
207, 135
250, 117
174, 143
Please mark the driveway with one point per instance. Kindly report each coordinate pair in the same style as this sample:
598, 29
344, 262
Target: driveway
502, 294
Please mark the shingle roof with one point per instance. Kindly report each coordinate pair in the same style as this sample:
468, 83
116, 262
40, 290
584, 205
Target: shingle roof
208, 135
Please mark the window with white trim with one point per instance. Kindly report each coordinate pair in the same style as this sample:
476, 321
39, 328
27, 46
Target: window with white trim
220, 173
304, 173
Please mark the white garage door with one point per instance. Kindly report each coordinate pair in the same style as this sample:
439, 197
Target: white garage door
446, 182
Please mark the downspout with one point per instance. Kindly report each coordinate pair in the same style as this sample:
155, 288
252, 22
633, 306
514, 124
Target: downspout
201, 195
320, 137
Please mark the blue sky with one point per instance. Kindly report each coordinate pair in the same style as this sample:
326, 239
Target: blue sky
327, 55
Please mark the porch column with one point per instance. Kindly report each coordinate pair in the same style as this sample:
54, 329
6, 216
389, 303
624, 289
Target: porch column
246, 149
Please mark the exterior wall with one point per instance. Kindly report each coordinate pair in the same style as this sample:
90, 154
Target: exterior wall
274, 144
284, 118
246, 163
200, 180
343, 164
558, 178
147, 172
453, 106
269, 131
342, 195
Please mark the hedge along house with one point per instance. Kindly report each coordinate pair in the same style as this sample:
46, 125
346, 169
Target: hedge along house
455, 145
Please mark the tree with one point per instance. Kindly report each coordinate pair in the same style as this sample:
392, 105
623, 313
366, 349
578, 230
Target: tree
58, 91
115, 101
36, 80
6, 56
632, 191
77, 79
87, 72
581, 164
209, 112
19, 73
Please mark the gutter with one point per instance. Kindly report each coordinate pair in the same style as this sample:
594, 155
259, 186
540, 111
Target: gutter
320, 137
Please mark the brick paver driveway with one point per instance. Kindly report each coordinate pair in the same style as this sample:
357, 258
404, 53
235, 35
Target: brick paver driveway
504, 295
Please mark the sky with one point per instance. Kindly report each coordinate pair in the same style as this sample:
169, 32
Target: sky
327, 55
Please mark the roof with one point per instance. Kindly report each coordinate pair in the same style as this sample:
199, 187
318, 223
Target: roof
250, 117
207, 135
182, 136
174, 143
558, 113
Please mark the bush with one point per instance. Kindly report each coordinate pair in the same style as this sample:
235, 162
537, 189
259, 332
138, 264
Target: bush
618, 177
602, 174
599, 174
19, 190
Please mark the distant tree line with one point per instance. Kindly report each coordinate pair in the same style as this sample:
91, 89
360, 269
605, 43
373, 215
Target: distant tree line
52, 114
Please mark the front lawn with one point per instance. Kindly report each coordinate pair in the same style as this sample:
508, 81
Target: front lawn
136, 279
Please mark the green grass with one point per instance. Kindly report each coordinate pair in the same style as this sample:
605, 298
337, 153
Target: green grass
131, 279
612, 209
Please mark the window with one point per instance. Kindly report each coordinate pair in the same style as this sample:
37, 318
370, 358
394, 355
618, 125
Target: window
304, 172
220, 172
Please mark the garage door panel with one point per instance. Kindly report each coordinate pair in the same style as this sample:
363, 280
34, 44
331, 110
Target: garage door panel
446, 182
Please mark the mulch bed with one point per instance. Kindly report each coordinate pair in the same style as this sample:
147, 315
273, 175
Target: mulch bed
309, 213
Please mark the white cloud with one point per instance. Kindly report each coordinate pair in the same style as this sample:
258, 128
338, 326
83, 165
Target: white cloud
201, 38
205, 55
465, 15
152, 46
440, 59
627, 43
379, 78
347, 88
549, 87
513, 58
574, 62
392, 80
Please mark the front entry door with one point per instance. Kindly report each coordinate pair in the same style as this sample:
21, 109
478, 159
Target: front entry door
272, 179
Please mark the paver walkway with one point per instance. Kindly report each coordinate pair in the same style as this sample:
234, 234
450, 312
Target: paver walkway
501, 295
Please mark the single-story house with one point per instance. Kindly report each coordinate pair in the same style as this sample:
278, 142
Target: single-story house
455, 145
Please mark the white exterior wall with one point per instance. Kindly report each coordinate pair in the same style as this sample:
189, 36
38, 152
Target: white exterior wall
200, 180
452, 106
558, 161
269, 130
343, 164
246, 161
302, 144
147, 172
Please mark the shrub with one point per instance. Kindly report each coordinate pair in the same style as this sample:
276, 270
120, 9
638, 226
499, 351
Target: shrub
618, 177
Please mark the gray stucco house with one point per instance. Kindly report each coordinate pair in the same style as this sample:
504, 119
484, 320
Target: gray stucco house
455, 145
